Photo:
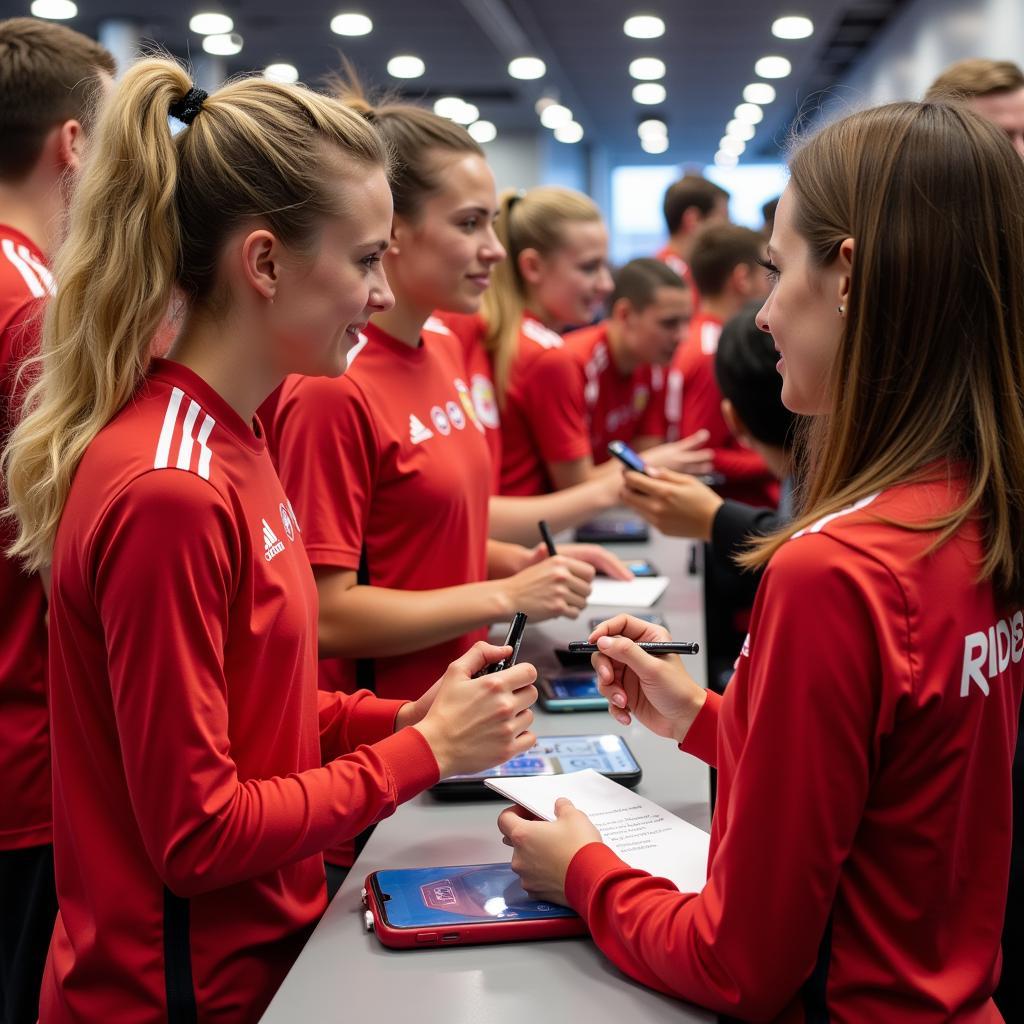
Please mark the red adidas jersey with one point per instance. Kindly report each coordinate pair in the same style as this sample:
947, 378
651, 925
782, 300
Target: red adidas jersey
190, 800
470, 330
693, 402
533, 432
614, 407
389, 472
24, 726
860, 845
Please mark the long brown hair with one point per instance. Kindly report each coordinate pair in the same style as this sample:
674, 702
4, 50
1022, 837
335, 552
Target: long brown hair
151, 215
930, 367
534, 220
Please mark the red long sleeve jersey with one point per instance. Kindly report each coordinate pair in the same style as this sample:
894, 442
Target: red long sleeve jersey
861, 840
390, 475
532, 433
191, 798
24, 722
693, 402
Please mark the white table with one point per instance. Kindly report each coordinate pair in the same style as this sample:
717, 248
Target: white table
345, 974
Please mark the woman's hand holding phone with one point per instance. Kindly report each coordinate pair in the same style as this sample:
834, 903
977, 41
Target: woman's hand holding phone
473, 724
676, 503
658, 692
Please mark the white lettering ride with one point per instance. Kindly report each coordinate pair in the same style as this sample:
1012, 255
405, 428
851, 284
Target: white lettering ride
988, 653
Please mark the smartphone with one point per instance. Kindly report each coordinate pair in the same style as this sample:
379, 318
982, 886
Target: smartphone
551, 755
513, 639
651, 617
613, 529
571, 691
641, 568
467, 904
627, 456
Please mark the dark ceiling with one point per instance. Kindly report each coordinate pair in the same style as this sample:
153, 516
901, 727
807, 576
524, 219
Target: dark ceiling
709, 48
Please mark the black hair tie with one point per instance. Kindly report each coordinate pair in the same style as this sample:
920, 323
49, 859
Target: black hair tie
189, 105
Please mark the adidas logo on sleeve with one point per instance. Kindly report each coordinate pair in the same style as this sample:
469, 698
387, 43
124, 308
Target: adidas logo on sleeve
188, 439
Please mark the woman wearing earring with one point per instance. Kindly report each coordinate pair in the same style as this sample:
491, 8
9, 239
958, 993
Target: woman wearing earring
197, 772
861, 840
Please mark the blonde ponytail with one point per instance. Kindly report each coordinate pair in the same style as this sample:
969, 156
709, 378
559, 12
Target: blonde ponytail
531, 221
151, 213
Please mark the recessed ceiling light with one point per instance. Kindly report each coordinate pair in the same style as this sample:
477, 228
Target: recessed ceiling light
351, 24
731, 145
287, 73
726, 159
448, 106
654, 144
644, 26
649, 93
406, 66
571, 132
647, 69
210, 23
55, 10
223, 44
555, 115
483, 131
652, 127
740, 130
759, 92
527, 68
749, 112
792, 27
466, 114
773, 67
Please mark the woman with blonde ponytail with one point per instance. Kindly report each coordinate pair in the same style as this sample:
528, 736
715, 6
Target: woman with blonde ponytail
556, 276
197, 772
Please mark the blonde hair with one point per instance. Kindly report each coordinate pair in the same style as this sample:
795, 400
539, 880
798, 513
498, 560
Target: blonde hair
930, 364
976, 77
535, 220
150, 215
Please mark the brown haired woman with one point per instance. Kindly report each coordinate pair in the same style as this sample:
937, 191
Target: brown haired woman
197, 773
861, 840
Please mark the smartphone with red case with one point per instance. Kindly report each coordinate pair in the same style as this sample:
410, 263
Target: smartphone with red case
468, 904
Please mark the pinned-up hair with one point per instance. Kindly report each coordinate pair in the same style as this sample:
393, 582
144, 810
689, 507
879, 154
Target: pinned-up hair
532, 220
151, 214
413, 134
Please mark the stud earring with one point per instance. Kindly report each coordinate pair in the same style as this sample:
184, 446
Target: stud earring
842, 310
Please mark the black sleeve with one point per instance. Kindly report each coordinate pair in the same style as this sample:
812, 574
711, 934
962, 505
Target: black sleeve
735, 523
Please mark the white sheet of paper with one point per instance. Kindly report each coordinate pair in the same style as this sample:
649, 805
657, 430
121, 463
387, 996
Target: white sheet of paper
642, 833
638, 593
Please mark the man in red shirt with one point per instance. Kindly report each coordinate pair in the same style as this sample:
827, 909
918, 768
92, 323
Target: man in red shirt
724, 266
614, 371
50, 78
691, 204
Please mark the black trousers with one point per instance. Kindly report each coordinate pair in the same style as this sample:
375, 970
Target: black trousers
28, 907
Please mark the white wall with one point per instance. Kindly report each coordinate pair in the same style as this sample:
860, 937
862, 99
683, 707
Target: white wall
925, 38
